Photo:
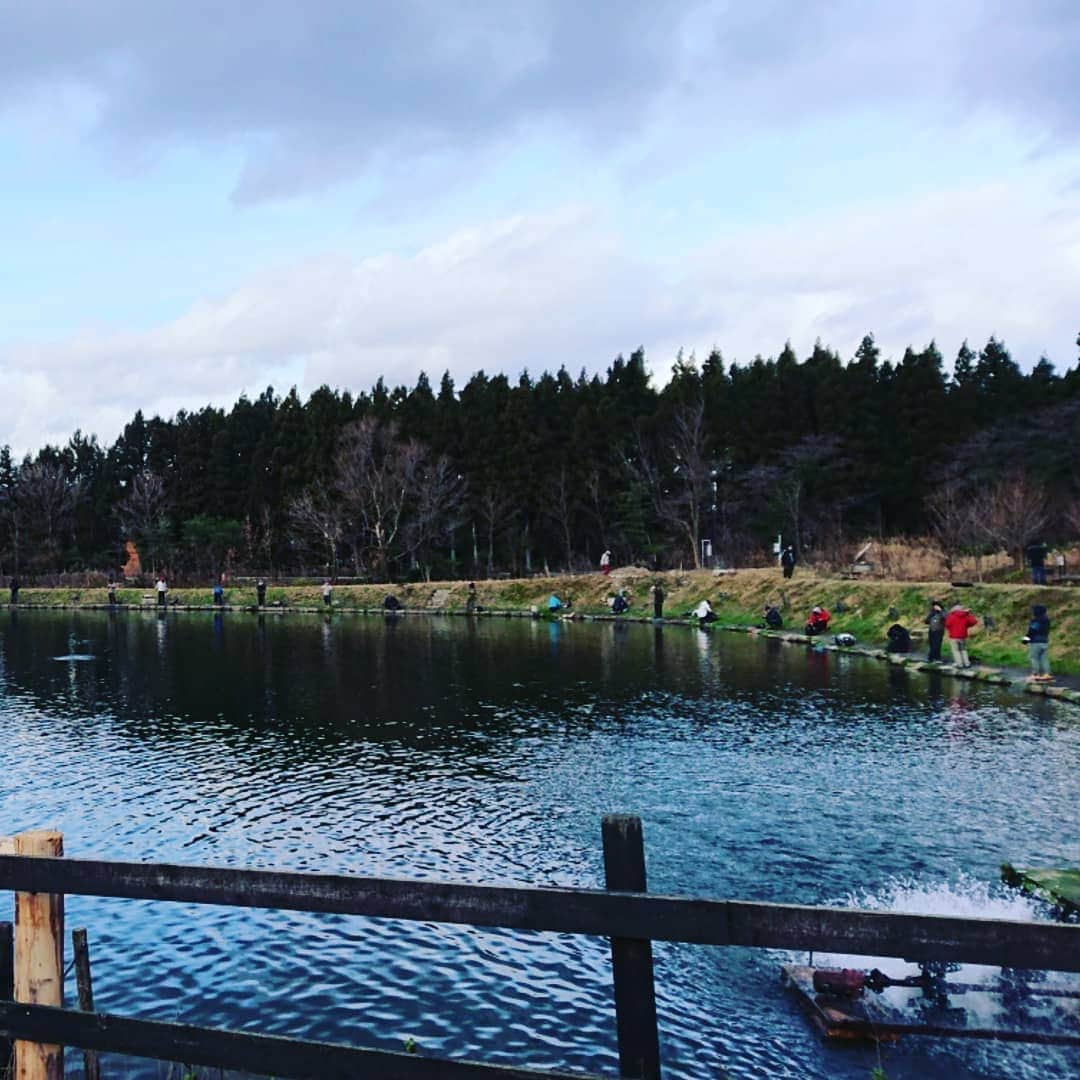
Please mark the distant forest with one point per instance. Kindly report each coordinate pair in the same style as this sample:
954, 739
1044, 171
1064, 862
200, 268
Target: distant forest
515, 477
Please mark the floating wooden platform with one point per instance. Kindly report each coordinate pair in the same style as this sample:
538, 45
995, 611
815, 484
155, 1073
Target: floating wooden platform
1012, 1010
1060, 887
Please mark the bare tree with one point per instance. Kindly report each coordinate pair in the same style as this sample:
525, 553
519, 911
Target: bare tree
1072, 516
317, 519
678, 474
46, 498
142, 514
395, 496
495, 507
259, 539
596, 506
560, 508
1014, 511
374, 477
11, 514
951, 512
436, 506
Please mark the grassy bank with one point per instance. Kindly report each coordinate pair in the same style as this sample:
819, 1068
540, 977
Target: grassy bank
864, 608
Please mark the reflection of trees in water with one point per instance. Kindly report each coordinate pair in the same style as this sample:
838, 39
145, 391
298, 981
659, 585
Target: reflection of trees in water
421, 682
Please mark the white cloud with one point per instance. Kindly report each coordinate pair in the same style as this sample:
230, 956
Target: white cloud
998, 259
539, 291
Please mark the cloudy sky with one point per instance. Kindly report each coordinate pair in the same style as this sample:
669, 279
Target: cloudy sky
200, 199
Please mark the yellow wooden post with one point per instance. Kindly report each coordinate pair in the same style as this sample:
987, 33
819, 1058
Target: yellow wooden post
39, 958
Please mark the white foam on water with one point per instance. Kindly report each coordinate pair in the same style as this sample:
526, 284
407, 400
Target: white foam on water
962, 897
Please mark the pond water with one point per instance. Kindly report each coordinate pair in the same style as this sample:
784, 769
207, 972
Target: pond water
488, 751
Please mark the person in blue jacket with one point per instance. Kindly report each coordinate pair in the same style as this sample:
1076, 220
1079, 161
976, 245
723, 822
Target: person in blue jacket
1038, 643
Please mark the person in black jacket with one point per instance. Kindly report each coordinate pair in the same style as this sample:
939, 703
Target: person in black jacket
1036, 554
788, 560
14, 590
1038, 643
899, 639
935, 631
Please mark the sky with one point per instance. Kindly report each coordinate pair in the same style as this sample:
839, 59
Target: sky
199, 200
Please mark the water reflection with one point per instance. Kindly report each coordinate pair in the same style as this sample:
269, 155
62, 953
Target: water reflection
488, 750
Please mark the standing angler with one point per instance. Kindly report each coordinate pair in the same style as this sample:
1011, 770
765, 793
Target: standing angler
935, 624
1038, 643
957, 624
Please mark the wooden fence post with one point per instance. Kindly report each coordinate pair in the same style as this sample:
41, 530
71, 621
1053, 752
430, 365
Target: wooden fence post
7, 985
631, 958
7, 969
39, 958
81, 950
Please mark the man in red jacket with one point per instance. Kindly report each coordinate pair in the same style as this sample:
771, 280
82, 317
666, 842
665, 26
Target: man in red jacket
957, 624
818, 622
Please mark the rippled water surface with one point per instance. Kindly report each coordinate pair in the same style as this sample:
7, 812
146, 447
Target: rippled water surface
488, 752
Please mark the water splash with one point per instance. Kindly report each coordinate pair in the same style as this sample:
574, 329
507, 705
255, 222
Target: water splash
965, 896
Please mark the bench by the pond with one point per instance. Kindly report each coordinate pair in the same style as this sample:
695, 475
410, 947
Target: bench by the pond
625, 913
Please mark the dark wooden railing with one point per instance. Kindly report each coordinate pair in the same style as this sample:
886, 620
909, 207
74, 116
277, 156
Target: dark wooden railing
625, 913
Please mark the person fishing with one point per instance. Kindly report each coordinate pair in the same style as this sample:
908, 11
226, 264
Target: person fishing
899, 639
957, 624
773, 619
260, 592
1037, 640
935, 632
818, 621
704, 613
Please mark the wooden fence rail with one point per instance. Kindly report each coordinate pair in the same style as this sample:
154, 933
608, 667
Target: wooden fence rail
624, 913
1054, 946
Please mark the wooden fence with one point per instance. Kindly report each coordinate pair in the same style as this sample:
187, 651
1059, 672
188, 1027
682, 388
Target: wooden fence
625, 913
